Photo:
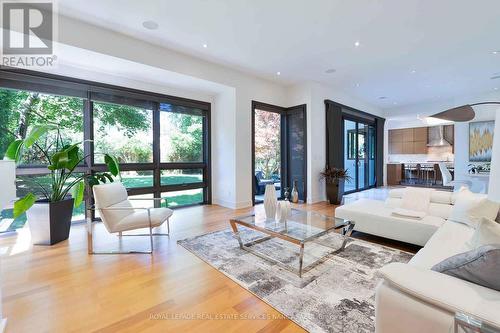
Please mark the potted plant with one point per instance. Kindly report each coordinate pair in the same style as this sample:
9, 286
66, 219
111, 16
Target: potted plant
49, 217
335, 179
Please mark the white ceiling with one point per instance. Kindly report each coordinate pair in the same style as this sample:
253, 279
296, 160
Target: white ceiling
448, 43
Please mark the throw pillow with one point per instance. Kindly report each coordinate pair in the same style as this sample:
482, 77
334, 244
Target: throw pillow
479, 266
467, 203
484, 208
487, 232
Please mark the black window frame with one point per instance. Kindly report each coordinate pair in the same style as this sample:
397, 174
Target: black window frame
91, 92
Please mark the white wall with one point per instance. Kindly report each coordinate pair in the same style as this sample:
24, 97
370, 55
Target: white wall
314, 94
494, 188
404, 117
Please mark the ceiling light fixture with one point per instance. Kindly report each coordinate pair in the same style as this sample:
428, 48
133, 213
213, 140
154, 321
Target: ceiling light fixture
205, 46
278, 73
150, 25
330, 71
496, 88
413, 71
496, 52
357, 43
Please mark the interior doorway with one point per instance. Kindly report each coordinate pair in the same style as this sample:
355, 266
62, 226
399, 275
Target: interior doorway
278, 150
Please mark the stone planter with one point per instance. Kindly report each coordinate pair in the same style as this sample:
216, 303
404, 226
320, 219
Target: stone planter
50, 222
335, 191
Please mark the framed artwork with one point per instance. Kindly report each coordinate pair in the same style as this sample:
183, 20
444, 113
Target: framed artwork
481, 141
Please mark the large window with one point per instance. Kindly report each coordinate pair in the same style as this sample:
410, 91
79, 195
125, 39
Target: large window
161, 142
123, 131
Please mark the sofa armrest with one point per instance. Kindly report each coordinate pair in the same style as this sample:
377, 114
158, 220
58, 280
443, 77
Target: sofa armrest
444, 291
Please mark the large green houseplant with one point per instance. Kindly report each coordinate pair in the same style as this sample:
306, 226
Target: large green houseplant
49, 217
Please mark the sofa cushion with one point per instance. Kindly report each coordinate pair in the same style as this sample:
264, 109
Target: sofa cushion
440, 197
467, 201
487, 232
448, 240
479, 266
374, 217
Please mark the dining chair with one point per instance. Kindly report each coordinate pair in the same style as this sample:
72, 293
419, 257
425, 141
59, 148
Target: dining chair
448, 178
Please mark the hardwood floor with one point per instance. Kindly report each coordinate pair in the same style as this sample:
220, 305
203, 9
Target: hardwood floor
63, 289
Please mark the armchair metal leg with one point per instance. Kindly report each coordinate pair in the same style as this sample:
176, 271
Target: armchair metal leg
90, 239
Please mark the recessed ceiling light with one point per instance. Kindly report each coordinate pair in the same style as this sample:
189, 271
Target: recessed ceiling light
413, 71
150, 25
357, 43
357, 84
205, 45
278, 73
496, 88
496, 52
330, 71
382, 97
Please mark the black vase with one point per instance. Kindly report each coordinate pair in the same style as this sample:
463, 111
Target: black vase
335, 191
50, 222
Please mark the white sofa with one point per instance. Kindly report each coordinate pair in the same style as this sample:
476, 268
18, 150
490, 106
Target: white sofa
412, 298
375, 217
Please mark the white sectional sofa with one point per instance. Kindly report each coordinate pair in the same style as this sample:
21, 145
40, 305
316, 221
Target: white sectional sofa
375, 217
412, 298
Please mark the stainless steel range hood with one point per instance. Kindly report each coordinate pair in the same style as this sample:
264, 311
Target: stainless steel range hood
436, 138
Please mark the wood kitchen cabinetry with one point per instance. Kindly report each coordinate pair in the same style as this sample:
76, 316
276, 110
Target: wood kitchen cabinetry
408, 141
394, 174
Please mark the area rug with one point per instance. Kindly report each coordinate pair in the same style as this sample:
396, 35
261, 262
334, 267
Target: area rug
338, 295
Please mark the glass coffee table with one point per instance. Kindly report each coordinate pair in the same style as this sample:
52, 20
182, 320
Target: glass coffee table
301, 227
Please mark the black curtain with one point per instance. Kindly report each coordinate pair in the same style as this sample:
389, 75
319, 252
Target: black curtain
334, 135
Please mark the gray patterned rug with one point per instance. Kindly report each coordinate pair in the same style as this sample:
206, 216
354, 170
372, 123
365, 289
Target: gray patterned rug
337, 295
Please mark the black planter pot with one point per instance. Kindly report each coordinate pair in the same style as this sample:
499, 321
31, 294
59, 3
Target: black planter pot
335, 191
50, 222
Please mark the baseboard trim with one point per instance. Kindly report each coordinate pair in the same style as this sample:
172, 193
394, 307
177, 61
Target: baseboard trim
232, 204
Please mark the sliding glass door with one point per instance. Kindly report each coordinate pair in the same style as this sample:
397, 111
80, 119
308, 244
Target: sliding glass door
359, 154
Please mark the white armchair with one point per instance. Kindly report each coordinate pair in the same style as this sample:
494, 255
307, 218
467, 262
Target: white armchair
118, 215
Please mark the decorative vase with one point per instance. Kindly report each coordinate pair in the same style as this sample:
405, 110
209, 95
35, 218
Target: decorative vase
295, 193
50, 222
270, 201
283, 211
335, 191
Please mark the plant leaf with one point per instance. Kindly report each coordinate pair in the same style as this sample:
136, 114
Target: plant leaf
14, 149
36, 133
112, 163
77, 193
23, 204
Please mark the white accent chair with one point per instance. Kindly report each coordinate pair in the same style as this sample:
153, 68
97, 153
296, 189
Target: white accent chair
118, 215
448, 179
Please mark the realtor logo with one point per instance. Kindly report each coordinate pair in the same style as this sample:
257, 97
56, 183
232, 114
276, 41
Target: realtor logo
28, 33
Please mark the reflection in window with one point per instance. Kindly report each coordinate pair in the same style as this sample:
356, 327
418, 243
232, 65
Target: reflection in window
21, 110
181, 176
183, 198
181, 135
123, 131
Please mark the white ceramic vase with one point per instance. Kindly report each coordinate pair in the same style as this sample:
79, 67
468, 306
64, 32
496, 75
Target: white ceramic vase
283, 211
270, 201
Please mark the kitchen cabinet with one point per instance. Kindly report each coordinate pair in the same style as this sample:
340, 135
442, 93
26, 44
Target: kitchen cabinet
408, 141
394, 174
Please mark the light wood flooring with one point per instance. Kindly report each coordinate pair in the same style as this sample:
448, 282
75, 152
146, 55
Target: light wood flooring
63, 289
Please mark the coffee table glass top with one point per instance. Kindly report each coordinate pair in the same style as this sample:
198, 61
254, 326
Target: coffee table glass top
301, 225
